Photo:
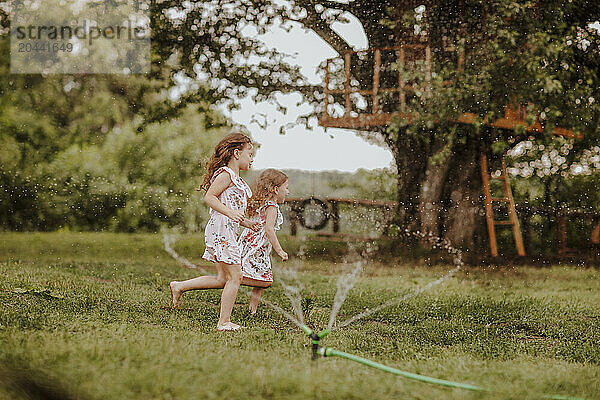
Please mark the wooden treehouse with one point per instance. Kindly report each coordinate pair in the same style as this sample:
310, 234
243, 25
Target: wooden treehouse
349, 105
391, 83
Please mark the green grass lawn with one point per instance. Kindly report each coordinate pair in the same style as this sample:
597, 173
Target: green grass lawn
89, 313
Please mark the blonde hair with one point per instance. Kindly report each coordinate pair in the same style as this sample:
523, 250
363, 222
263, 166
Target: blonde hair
223, 153
265, 188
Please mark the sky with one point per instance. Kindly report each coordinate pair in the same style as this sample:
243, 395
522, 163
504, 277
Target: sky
299, 148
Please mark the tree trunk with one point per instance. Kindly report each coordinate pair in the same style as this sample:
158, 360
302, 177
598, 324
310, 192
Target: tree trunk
464, 219
411, 158
440, 190
430, 206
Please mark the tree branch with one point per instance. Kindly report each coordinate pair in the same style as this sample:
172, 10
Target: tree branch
314, 21
335, 5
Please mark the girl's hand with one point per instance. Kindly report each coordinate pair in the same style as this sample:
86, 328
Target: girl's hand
283, 255
255, 226
236, 215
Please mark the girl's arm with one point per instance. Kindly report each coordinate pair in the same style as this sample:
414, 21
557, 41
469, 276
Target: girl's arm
211, 198
270, 229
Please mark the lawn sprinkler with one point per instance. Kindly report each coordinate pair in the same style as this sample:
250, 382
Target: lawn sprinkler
315, 338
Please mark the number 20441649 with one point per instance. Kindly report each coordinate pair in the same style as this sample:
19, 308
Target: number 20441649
45, 47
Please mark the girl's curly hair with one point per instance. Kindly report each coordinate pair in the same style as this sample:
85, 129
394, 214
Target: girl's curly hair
264, 188
222, 155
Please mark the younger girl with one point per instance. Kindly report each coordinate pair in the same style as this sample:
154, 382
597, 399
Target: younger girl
270, 188
227, 195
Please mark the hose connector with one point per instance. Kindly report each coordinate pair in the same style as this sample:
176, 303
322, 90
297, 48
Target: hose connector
324, 351
315, 338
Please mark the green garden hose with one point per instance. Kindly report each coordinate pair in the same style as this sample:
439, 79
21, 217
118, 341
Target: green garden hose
318, 350
329, 352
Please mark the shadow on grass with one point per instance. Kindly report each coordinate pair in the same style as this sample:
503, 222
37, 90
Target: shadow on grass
23, 382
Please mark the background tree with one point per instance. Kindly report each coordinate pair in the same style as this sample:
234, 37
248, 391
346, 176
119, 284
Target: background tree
537, 53
94, 152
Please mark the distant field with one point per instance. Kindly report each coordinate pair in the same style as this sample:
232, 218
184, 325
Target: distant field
89, 313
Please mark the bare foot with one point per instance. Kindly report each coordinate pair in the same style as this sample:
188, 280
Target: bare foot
255, 297
228, 326
252, 307
175, 293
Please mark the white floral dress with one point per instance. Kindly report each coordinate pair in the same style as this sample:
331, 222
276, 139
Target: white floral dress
256, 248
221, 232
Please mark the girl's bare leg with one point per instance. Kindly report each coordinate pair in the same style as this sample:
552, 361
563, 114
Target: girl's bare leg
257, 291
201, 282
255, 297
233, 277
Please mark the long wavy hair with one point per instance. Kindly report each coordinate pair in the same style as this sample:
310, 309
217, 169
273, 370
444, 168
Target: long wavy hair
222, 155
264, 188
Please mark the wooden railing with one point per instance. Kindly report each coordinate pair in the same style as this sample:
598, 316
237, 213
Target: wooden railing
513, 115
376, 90
562, 217
526, 214
295, 204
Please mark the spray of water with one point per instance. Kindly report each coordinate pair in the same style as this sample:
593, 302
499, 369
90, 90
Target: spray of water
283, 312
289, 274
168, 239
344, 284
292, 292
437, 243
393, 302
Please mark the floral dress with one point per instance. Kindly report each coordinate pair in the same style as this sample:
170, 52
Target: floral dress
221, 232
256, 248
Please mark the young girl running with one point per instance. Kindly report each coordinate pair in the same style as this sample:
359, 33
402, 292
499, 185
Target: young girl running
227, 195
270, 188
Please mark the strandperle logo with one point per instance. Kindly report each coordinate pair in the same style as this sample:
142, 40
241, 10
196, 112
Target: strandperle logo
83, 32
75, 36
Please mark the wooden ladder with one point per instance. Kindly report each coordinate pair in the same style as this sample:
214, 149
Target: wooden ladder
489, 213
